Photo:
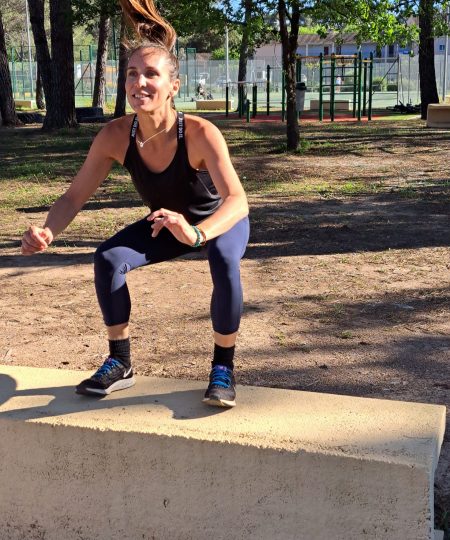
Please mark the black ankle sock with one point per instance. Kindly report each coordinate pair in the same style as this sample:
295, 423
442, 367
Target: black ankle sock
223, 356
120, 350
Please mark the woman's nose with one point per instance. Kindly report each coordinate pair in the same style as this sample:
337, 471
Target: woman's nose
141, 80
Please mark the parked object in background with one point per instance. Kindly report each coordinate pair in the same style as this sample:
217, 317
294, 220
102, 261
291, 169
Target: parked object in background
89, 114
409, 108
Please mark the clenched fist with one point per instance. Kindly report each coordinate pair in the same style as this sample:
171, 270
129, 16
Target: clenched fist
36, 240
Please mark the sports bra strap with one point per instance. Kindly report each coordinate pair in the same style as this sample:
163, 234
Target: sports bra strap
134, 127
180, 126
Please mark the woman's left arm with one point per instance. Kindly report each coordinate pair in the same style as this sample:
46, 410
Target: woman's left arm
208, 149
209, 143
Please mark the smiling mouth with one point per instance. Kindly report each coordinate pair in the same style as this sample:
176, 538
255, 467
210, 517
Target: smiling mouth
141, 96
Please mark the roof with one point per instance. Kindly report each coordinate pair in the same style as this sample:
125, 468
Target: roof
332, 37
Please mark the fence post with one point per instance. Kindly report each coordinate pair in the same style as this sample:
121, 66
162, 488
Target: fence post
355, 80
332, 81
255, 100
370, 86
268, 90
247, 109
364, 87
240, 99
359, 84
13, 71
321, 87
227, 94
90, 70
283, 91
82, 73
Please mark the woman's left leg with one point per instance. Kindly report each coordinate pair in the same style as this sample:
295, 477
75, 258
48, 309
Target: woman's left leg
224, 254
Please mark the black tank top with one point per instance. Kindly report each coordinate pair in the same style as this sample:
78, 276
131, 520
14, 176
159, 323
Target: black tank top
179, 187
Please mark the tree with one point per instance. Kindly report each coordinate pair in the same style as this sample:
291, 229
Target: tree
40, 102
56, 69
98, 99
61, 105
86, 11
255, 31
427, 72
289, 14
7, 106
121, 98
44, 62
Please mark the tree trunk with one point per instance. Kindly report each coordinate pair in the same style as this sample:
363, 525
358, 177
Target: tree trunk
7, 106
98, 99
244, 47
40, 103
43, 59
289, 39
121, 98
61, 106
427, 72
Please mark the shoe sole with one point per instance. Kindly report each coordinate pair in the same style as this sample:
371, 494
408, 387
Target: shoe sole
119, 385
219, 402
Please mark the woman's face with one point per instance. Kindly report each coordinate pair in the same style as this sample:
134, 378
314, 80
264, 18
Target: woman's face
148, 85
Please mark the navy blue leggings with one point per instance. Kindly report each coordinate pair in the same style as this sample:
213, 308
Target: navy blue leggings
134, 246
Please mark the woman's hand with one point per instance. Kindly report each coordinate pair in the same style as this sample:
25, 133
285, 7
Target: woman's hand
36, 240
176, 223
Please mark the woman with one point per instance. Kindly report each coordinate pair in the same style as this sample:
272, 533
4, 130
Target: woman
181, 168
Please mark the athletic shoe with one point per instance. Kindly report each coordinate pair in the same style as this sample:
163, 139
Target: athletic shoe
110, 377
221, 390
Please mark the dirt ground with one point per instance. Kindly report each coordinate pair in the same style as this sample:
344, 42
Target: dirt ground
344, 293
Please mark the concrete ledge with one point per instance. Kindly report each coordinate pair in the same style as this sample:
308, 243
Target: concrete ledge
339, 105
29, 103
153, 462
438, 115
212, 104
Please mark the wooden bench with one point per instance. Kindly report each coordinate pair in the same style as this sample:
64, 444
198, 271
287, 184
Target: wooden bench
438, 115
212, 104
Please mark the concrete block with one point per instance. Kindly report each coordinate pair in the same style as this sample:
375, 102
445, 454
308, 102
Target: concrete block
28, 103
438, 115
154, 463
438, 535
213, 104
339, 105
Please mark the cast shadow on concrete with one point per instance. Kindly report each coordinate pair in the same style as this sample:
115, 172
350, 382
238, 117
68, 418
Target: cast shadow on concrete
184, 404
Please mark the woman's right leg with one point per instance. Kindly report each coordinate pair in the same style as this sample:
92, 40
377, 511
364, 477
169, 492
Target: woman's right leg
130, 248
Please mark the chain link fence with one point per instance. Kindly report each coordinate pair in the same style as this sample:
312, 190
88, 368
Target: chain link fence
394, 79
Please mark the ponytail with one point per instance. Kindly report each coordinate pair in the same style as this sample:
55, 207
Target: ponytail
147, 24
150, 31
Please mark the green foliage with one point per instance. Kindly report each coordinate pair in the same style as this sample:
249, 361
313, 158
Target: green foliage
219, 54
379, 21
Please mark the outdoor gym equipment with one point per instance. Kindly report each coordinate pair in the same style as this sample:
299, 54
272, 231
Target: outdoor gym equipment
334, 73
338, 75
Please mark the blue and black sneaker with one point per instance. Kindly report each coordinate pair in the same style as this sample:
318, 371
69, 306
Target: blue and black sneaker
110, 377
221, 391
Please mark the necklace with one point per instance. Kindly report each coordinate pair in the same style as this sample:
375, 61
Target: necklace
141, 143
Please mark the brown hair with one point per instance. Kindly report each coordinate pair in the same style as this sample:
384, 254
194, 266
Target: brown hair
150, 30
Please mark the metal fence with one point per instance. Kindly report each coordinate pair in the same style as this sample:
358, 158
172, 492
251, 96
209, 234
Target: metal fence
394, 78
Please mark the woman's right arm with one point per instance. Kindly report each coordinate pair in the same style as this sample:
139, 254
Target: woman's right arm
94, 170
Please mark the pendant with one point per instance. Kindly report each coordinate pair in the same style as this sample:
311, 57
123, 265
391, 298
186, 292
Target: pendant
141, 144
